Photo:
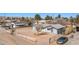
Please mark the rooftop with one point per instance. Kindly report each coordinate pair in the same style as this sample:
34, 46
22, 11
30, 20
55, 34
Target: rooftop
57, 26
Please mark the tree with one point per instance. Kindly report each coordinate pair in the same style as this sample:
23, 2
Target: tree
65, 18
51, 18
27, 19
59, 16
22, 19
37, 17
77, 18
48, 17
71, 19
8, 18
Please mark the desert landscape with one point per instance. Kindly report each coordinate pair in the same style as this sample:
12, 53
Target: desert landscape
39, 31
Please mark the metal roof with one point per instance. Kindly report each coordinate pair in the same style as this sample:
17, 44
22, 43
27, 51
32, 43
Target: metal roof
57, 26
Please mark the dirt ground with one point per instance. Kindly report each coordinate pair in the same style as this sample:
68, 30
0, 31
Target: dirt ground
74, 40
7, 39
25, 36
41, 39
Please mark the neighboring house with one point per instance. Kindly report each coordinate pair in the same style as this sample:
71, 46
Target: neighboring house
42, 21
21, 24
6, 25
49, 22
18, 24
7, 21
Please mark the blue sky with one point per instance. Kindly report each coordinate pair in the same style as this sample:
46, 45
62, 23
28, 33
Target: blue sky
42, 14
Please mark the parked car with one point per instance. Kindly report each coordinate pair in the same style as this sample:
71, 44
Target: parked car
62, 40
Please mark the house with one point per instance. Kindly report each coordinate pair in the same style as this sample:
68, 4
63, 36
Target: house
6, 25
54, 29
51, 28
21, 24
42, 21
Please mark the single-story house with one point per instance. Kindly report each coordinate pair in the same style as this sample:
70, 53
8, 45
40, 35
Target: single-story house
18, 24
42, 21
52, 28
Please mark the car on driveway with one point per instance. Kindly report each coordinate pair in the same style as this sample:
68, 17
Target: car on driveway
62, 40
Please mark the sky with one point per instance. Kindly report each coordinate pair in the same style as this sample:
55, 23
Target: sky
41, 14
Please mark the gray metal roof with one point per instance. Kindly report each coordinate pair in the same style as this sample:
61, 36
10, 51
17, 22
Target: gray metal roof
57, 26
